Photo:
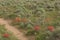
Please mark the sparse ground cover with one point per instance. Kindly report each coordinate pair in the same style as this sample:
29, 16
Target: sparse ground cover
6, 35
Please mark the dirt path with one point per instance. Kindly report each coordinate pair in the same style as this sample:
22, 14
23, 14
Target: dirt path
18, 34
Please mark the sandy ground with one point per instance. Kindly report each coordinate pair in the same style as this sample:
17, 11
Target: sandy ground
15, 31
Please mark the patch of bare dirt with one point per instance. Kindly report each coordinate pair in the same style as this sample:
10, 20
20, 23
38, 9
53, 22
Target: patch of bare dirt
15, 31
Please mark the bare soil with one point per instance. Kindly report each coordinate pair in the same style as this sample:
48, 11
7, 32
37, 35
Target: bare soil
15, 31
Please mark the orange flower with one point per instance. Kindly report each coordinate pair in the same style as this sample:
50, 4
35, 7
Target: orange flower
6, 35
51, 28
17, 19
36, 27
24, 20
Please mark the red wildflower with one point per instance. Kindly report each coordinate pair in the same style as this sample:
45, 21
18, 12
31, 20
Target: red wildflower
51, 28
17, 19
37, 27
6, 35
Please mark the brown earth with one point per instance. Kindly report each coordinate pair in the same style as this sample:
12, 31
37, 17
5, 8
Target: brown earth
15, 31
